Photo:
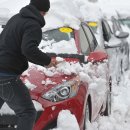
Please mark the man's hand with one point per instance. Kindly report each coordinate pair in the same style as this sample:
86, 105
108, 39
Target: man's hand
53, 63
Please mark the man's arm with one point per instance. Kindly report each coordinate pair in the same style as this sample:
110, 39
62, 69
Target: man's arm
30, 41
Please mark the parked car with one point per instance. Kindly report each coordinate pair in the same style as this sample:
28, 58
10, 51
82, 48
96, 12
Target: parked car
57, 90
116, 40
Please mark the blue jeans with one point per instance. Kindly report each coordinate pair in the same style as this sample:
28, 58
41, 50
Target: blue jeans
17, 97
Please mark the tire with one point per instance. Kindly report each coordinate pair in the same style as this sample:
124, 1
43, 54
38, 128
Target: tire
87, 115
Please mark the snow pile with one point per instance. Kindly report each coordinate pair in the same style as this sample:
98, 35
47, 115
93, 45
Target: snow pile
89, 11
65, 117
120, 117
29, 85
71, 13
63, 13
68, 47
88, 72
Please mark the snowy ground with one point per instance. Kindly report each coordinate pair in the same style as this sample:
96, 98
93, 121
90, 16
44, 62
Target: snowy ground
82, 10
120, 117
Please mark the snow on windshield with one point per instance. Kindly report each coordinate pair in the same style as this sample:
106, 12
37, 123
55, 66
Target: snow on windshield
62, 47
59, 41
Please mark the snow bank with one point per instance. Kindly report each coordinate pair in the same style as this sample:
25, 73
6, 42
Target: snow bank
65, 117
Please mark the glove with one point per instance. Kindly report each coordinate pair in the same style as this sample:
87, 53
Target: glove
54, 62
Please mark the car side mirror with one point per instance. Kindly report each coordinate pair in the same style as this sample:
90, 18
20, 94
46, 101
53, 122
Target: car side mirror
121, 34
97, 56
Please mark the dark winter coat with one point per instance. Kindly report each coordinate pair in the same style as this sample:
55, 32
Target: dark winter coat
19, 41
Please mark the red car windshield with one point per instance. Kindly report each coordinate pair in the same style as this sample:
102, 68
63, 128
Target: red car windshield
59, 41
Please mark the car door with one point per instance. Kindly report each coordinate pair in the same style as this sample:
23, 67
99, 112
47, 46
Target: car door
89, 44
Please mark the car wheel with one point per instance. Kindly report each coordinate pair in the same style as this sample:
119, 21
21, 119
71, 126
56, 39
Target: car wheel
87, 118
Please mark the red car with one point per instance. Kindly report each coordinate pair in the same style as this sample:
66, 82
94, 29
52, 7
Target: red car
58, 89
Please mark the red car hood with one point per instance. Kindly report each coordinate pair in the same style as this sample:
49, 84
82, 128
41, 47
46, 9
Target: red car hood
42, 82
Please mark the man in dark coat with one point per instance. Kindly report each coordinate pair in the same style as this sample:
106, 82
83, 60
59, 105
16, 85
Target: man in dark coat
19, 42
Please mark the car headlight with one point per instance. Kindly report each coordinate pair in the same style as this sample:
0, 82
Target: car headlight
64, 91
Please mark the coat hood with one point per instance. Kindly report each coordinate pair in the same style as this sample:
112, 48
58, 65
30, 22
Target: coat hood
31, 12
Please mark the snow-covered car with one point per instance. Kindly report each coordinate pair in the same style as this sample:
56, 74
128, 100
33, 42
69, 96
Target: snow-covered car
111, 35
117, 44
80, 83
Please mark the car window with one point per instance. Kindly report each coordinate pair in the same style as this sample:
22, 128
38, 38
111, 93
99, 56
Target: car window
93, 26
84, 43
91, 38
57, 35
59, 41
106, 31
116, 25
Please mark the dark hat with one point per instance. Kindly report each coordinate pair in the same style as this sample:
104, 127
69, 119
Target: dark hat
41, 5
